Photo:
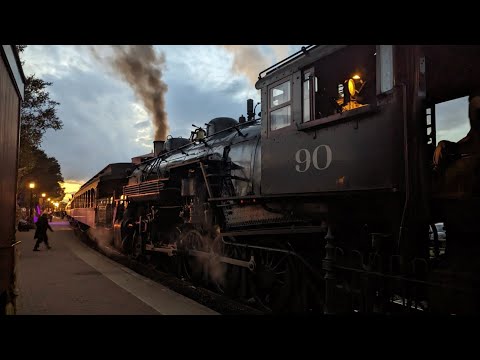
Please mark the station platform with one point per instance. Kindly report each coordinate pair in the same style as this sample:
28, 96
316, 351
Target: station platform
73, 279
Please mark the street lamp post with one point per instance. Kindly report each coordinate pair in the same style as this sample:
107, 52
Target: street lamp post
31, 186
43, 201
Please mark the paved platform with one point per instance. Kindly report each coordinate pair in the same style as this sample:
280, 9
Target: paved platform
73, 279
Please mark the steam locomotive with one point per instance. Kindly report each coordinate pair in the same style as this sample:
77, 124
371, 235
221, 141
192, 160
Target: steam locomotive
324, 202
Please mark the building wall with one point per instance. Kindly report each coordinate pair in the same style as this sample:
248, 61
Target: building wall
9, 138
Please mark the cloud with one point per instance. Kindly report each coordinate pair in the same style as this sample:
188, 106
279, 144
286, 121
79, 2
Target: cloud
248, 60
199, 107
142, 124
57, 62
71, 187
209, 69
99, 119
452, 121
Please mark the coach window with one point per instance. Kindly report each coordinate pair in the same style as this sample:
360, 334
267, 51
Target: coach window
280, 105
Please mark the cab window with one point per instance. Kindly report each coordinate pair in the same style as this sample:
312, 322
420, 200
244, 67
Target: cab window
339, 83
280, 96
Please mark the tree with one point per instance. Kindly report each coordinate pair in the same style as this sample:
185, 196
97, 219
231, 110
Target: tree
46, 174
38, 114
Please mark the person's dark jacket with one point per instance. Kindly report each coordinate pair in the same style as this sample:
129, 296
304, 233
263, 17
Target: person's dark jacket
42, 226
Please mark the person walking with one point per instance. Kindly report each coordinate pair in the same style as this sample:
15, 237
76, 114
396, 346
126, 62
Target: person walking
41, 232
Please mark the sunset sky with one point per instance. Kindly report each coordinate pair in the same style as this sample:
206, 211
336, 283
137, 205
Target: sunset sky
105, 122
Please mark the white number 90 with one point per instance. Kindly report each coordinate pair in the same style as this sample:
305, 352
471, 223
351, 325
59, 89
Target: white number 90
304, 159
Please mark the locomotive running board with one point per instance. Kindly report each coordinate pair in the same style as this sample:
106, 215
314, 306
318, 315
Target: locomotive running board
279, 231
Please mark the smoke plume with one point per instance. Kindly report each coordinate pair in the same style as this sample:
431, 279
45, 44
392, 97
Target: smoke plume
142, 68
103, 238
249, 60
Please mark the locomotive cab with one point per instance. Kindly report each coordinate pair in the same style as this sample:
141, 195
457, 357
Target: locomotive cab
320, 111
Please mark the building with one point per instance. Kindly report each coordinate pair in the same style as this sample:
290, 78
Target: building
12, 84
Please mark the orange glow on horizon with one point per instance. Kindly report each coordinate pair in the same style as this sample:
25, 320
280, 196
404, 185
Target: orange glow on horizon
71, 187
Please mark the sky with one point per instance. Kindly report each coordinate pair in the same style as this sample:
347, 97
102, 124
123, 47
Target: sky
106, 119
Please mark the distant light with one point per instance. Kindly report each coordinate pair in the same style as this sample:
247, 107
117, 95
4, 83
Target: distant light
356, 77
48, 199
32, 185
43, 194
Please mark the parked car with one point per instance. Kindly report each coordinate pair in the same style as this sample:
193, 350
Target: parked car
440, 231
24, 225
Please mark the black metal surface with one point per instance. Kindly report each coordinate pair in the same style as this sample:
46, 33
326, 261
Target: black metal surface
175, 143
220, 124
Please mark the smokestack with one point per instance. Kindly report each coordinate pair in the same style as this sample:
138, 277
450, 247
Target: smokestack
250, 113
158, 146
